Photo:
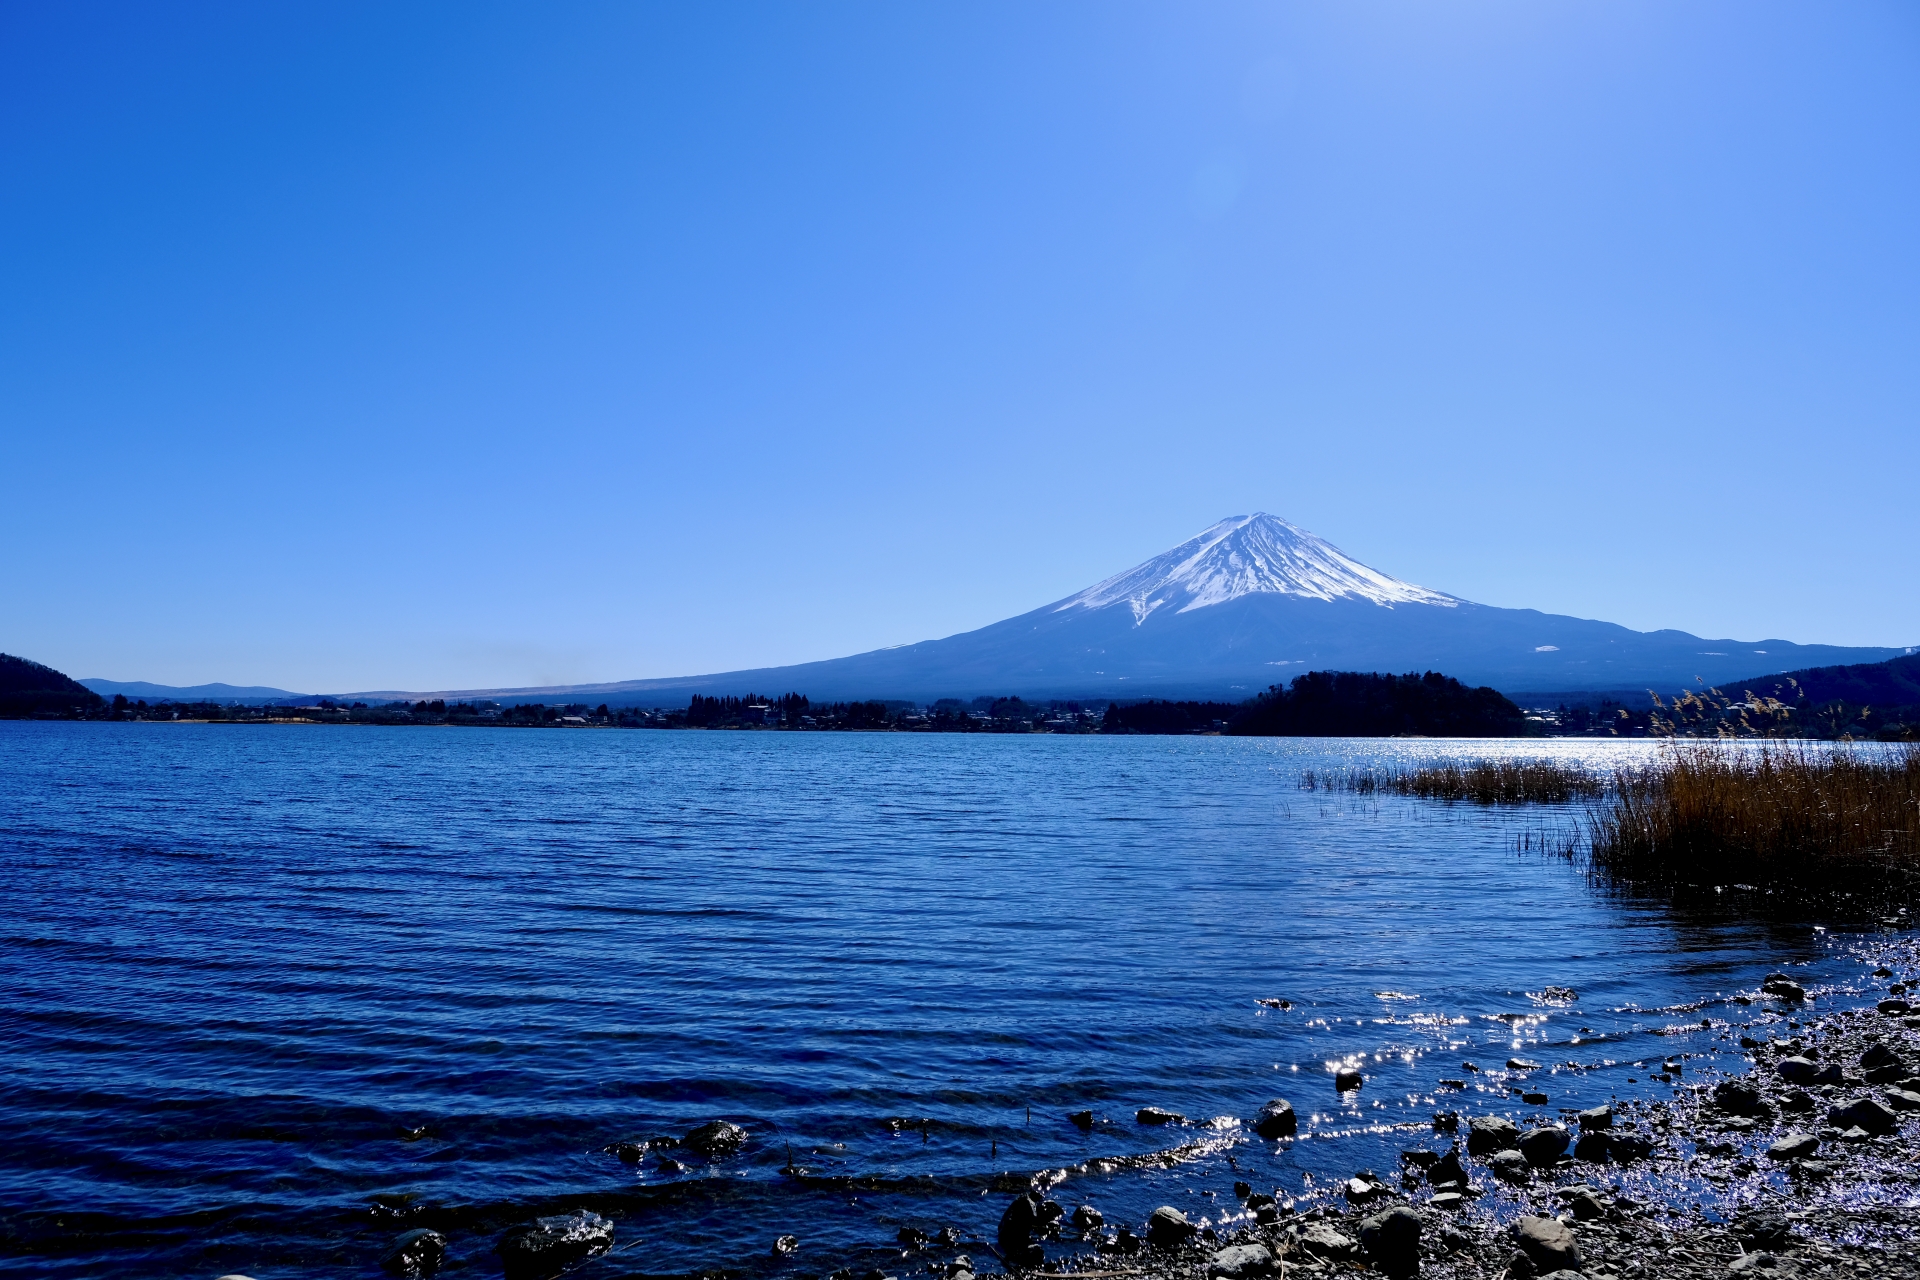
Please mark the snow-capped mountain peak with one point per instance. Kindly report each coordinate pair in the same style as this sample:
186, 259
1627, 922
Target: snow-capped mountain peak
1246, 555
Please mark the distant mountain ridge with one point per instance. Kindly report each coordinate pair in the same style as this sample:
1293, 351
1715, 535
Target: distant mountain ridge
1248, 603
229, 693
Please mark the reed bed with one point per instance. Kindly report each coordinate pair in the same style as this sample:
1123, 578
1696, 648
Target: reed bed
1826, 820
1479, 781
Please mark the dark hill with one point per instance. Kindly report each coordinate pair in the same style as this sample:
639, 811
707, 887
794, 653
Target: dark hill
1339, 704
30, 689
1895, 682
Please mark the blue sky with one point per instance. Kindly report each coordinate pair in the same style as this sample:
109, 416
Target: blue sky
437, 346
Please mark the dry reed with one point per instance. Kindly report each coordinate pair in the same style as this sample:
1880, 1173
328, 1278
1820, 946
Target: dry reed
1782, 817
1480, 781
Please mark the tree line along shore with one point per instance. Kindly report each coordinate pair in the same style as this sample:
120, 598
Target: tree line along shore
1317, 704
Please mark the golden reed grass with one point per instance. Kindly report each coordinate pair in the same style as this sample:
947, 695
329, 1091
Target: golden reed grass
1780, 816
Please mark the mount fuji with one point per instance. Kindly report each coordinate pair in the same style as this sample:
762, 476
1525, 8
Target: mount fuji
1250, 602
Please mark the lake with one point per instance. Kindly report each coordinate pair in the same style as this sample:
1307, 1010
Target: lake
271, 995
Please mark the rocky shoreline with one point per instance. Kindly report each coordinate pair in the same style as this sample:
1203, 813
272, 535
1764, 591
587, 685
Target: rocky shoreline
1816, 1151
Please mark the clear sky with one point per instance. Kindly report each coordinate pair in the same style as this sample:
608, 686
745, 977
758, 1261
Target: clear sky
428, 346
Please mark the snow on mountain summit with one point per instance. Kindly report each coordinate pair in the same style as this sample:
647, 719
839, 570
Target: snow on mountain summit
1247, 555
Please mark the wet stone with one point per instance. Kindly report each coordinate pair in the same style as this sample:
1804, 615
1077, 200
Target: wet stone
1491, 1133
1874, 1117
417, 1253
1508, 1166
1739, 1097
1592, 1147
1082, 1120
547, 1246
1346, 1079
716, 1138
1276, 1120
1543, 1147
1154, 1115
1168, 1228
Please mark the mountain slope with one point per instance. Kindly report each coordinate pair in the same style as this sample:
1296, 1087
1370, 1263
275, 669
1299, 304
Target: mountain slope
30, 688
1250, 602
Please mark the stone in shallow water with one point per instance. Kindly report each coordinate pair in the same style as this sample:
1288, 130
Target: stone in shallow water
1346, 1079
716, 1138
416, 1253
1155, 1115
547, 1246
1168, 1228
1543, 1147
1276, 1120
1491, 1133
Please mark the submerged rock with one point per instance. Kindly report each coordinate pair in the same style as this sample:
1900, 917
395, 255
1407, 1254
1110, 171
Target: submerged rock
1276, 1120
1346, 1079
716, 1138
1154, 1115
547, 1246
417, 1253
1082, 1120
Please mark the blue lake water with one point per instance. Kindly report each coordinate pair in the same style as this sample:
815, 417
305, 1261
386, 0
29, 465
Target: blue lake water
258, 982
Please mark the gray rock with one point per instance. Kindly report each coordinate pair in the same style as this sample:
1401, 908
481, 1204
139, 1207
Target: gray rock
715, 1139
1548, 1243
547, 1246
417, 1253
1508, 1166
1543, 1147
1447, 1200
1168, 1228
1763, 1264
1323, 1240
1154, 1115
1276, 1120
1600, 1117
1793, 1146
1392, 1241
784, 1245
1894, 1008
1902, 1099
1491, 1133
1865, 1113
1088, 1218
1241, 1260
